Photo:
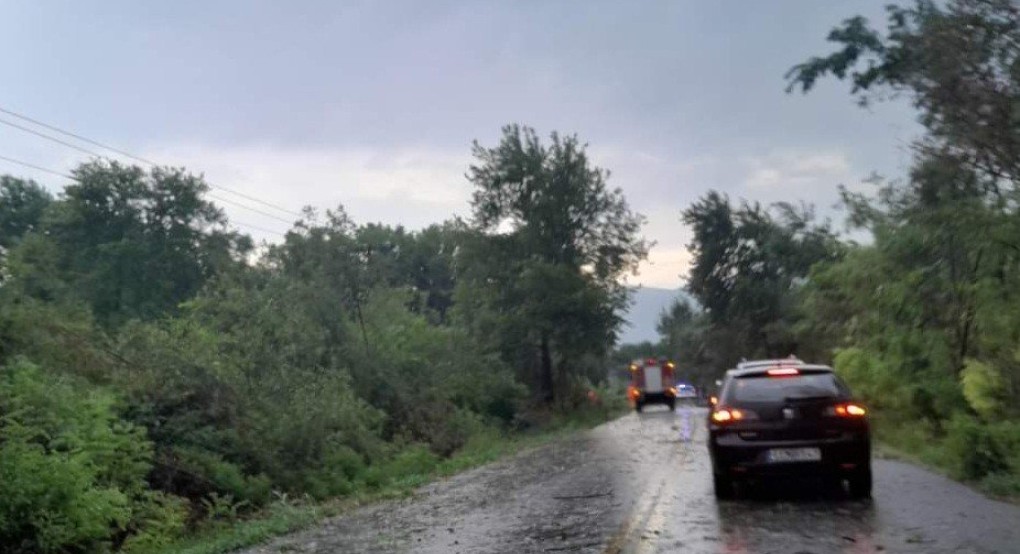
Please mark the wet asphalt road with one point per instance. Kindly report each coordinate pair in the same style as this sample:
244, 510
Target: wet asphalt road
642, 484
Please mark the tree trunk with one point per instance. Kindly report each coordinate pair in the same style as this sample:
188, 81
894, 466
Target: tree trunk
545, 377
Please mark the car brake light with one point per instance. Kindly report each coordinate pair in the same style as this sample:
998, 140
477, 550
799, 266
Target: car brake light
722, 416
848, 410
783, 372
728, 415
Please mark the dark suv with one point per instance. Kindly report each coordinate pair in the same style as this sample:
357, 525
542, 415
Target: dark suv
787, 419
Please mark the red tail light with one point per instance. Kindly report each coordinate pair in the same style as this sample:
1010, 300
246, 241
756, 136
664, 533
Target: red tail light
847, 410
723, 415
730, 415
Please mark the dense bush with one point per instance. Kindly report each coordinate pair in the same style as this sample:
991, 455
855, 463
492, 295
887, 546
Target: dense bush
232, 415
974, 450
72, 474
225, 403
436, 385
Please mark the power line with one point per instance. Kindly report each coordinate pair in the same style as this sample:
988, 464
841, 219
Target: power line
249, 208
75, 179
73, 135
118, 151
37, 167
51, 138
98, 155
257, 228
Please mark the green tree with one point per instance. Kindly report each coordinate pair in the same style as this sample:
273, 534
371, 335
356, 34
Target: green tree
128, 243
421, 262
956, 61
556, 241
948, 231
927, 315
22, 204
747, 269
685, 334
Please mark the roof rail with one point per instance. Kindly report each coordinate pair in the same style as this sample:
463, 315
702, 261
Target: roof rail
747, 364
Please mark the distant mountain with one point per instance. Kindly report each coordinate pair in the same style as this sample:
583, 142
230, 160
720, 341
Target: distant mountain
643, 315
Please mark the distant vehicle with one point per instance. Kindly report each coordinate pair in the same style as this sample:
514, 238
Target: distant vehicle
652, 382
788, 419
684, 390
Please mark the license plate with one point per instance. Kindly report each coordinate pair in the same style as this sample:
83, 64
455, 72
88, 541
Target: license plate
780, 455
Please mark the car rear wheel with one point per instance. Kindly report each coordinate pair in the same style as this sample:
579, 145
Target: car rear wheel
672, 404
723, 486
638, 406
860, 483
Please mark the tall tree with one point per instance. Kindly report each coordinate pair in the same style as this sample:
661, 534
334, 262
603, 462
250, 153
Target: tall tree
748, 266
557, 242
927, 314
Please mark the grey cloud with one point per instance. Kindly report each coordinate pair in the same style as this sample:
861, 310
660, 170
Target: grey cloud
674, 97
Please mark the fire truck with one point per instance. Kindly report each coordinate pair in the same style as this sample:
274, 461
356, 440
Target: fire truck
652, 382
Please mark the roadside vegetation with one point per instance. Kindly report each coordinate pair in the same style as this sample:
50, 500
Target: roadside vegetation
923, 317
285, 513
163, 377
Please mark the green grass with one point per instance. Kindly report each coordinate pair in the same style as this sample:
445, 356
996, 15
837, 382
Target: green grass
918, 445
408, 470
278, 519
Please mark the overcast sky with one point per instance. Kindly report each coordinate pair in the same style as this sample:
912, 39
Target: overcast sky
374, 105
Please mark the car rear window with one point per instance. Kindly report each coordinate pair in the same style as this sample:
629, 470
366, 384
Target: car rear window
777, 389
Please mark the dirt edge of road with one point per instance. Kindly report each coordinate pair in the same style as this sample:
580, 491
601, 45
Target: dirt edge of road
289, 516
